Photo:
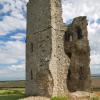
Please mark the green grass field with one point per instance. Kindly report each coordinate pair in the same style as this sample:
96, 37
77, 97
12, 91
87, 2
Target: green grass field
14, 90
12, 84
11, 97
9, 91
12, 93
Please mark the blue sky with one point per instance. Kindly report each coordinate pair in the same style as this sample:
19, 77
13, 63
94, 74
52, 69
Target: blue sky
13, 33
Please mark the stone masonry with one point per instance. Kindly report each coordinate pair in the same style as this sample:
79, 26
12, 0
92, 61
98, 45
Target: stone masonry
78, 50
46, 61
56, 60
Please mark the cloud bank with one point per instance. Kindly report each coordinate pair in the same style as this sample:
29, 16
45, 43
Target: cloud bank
91, 9
13, 33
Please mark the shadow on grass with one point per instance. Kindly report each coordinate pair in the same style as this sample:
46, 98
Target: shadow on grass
11, 97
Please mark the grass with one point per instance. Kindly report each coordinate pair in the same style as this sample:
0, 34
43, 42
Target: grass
20, 91
12, 93
11, 97
95, 98
12, 84
59, 98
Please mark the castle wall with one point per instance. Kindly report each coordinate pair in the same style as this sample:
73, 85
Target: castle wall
79, 76
51, 52
46, 62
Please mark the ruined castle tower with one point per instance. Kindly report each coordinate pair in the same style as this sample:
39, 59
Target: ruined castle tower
78, 50
46, 61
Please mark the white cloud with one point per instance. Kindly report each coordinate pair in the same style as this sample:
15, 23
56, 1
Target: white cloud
11, 52
20, 67
16, 20
91, 9
13, 72
73, 8
95, 59
12, 68
11, 24
95, 69
18, 36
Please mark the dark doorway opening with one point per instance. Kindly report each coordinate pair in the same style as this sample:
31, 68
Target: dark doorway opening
31, 75
69, 54
69, 74
79, 33
31, 47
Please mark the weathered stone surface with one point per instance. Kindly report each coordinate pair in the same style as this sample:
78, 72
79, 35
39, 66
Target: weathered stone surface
78, 50
51, 52
79, 95
46, 61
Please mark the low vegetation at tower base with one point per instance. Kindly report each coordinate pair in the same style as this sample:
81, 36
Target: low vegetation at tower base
59, 98
95, 98
11, 97
66, 98
14, 91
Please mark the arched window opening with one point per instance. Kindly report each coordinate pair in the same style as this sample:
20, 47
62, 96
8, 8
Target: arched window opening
31, 75
31, 47
79, 33
81, 73
69, 54
69, 74
67, 37
71, 38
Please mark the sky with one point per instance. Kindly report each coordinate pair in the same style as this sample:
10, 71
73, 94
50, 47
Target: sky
13, 33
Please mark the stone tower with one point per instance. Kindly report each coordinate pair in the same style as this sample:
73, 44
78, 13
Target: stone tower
78, 50
46, 61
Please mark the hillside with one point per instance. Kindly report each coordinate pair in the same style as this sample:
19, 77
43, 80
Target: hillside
12, 84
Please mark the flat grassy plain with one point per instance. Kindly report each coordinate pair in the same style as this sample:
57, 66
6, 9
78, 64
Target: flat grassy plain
9, 91
11, 97
12, 93
12, 90
12, 84
96, 83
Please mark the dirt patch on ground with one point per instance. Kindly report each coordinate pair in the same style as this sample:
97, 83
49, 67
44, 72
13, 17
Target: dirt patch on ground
35, 98
97, 93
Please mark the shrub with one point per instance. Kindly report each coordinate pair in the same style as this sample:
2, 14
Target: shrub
95, 98
59, 98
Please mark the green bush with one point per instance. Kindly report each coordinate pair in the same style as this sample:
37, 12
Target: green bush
59, 98
95, 98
